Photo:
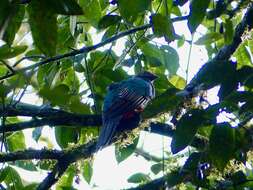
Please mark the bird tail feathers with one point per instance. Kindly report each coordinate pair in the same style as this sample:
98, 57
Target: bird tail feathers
107, 132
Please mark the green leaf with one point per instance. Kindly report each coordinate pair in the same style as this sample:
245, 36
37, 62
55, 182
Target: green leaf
181, 41
14, 24
3, 173
92, 11
64, 37
7, 52
244, 73
214, 73
66, 180
171, 59
222, 145
5, 8
4, 90
71, 80
37, 133
43, 25
162, 26
77, 106
16, 141
108, 20
197, 13
178, 82
32, 186
209, 38
64, 7
138, 178
174, 178
165, 54
229, 31
242, 56
130, 9
186, 129
3, 71
87, 170
167, 101
156, 168
109, 32
57, 96
78, 67
47, 74
65, 135
27, 165
228, 86
123, 153
12, 179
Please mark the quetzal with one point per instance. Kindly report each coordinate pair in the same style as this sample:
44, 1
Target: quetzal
122, 105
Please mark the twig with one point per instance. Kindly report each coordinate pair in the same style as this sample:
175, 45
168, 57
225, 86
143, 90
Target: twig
8, 66
85, 49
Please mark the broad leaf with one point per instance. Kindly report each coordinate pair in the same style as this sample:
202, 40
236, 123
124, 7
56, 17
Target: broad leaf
138, 178
14, 23
91, 10
37, 133
108, 20
214, 73
130, 9
16, 141
186, 129
65, 135
12, 178
64, 7
25, 164
178, 82
229, 31
123, 153
197, 13
156, 168
87, 170
222, 145
43, 26
57, 96
162, 26
167, 101
5, 8
32, 186
165, 54
7, 52
242, 56
65, 182
209, 38
76, 106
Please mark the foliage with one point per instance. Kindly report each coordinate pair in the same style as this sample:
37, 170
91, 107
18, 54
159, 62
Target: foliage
50, 52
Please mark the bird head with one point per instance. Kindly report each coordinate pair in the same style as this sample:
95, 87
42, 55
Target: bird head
147, 76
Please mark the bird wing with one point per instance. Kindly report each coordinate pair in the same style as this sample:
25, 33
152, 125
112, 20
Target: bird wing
127, 100
123, 99
119, 101
107, 132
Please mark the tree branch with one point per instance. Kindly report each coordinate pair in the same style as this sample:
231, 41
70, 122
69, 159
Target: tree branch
152, 185
86, 49
226, 51
31, 154
86, 150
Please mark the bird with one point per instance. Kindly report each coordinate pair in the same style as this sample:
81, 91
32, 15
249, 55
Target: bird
123, 103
